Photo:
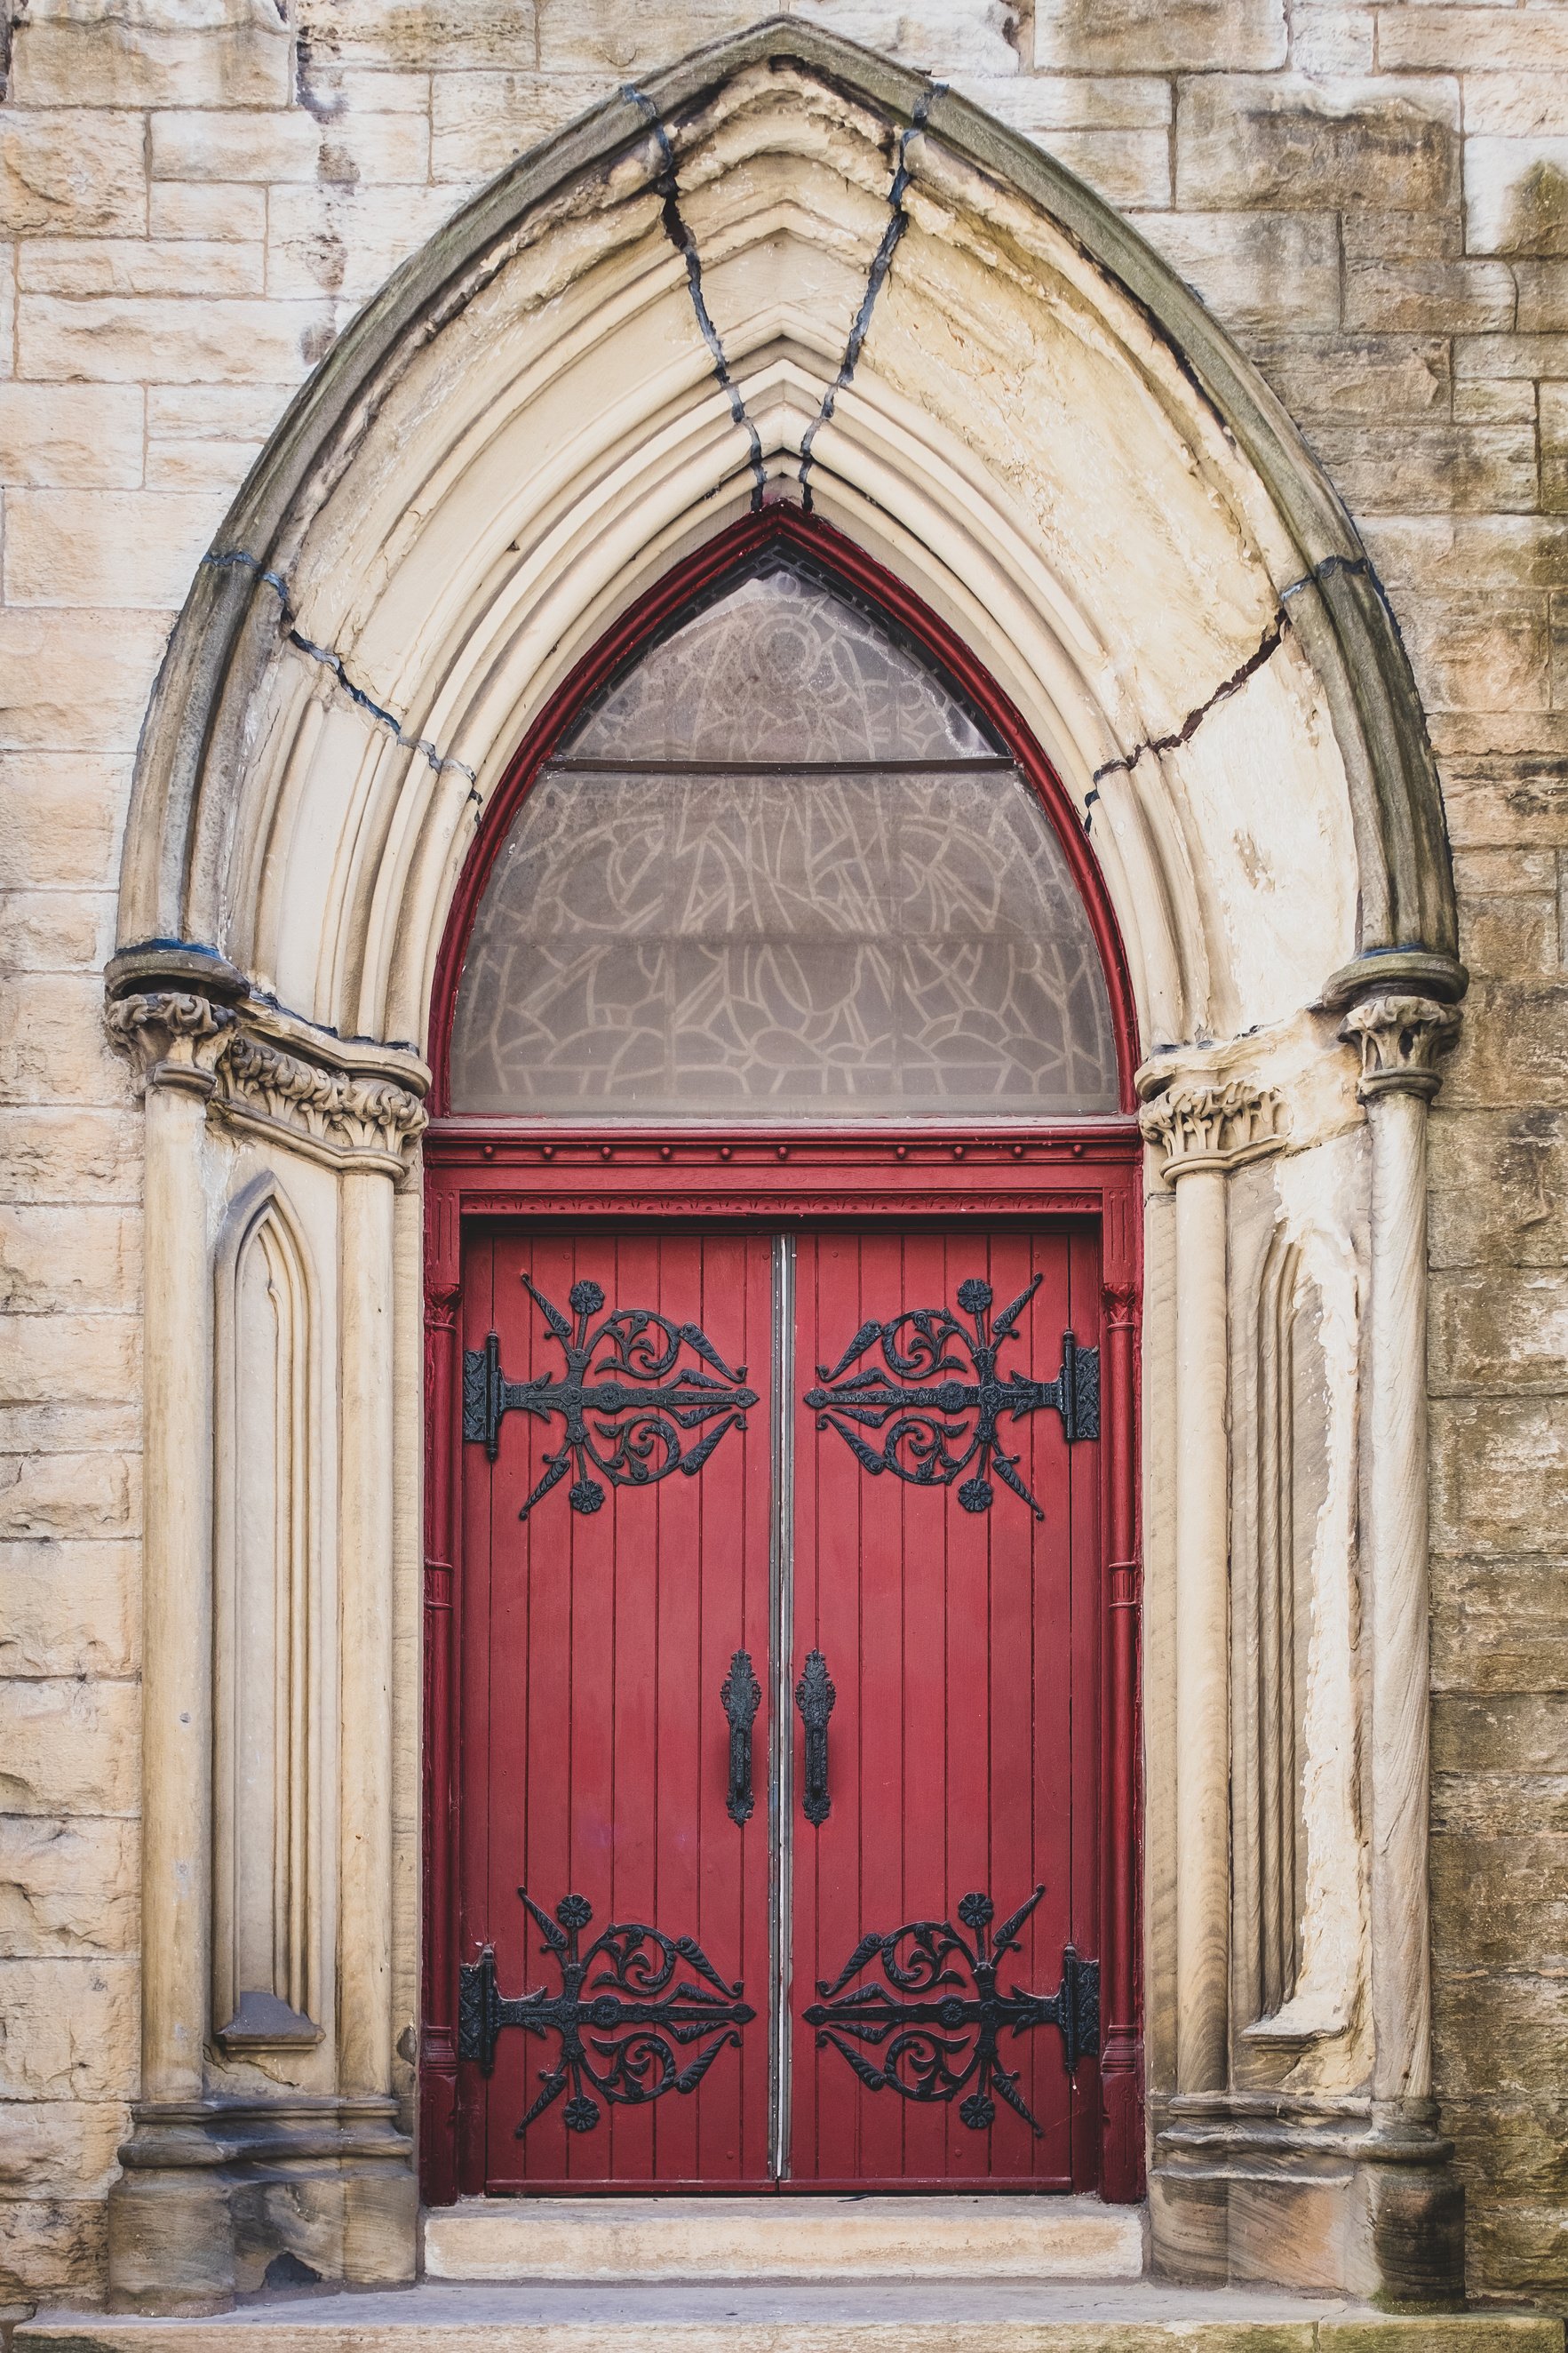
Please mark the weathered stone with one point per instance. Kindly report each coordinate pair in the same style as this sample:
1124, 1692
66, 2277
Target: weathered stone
1038, 103
130, 339
68, 678
1517, 105
1501, 1901
1485, 797
74, 175
54, 2248
1480, 551
73, 436
1373, 236
1432, 468
1333, 41
1279, 272
68, 1747
292, 146
478, 123
70, 1609
1516, 196
1485, 651
55, 931
105, 547
1500, 938
1518, 1732
1542, 307
1445, 297
1440, 38
66, 1494
62, 812
1500, 1473
345, 241
421, 34
1356, 376
1522, 2141
1499, 1626
68, 1886
1499, 1805
52, 1047
1500, 1189
1287, 141
1137, 36
1128, 168
1493, 404
67, 2029
55, 1153
1494, 357
93, 1356
124, 265
96, 53
212, 212
1520, 2241
218, 467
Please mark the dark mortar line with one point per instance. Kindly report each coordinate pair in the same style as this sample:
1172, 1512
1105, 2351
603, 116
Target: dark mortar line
876, 277
237, 557
679, 234
1268, 645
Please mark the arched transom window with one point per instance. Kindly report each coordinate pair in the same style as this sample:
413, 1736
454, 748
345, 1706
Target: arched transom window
780, 868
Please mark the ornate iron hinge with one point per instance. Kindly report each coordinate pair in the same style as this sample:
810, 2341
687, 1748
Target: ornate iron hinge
939, 1388
637, 1376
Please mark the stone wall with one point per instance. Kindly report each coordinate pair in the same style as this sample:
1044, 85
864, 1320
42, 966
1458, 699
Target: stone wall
1375, 200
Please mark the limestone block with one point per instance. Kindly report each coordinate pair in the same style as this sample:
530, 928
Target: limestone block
1517, 2246
932, 35
1500, 1327
1494, 357
1543, 297
1443, 297
1500, 1473
56, 930
1280, 271
1373, 236
1493, 404
1516, 1045
105, 547
293, 146
68, 1886
70, 434
479, 121
344, 242
1431, 469
76, 679
1500, 1805
1516, 196
127, 339
1499, 1626
1519, 1732
419, 35
1285, 140
66, 1154
70, 1609
1331, 41
1523, 2142
330, 88
119, 265
1504, 938
1036, 103
610, 43
1503, 1901
68, 1746
60, 1358
74, 174
216, 466
62, 814
1445, 39
68, 1494
7, 310
211, 211
1356, 376
217, 412
54, 2248
1501, 551
67, 2029
62, 2149
52, 1047
1517, 105
152, 53
1144, 36
1498, 2032
1131, 169
1488, 651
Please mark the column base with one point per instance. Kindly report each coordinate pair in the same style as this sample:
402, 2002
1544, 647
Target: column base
1310, 2195
220, 2199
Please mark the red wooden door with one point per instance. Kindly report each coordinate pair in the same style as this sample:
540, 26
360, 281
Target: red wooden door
852, 1973
599, 1631
956, 1619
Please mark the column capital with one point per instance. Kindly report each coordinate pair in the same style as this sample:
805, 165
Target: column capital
1400, 1038
340, 1115
1213, 1125
175, 1036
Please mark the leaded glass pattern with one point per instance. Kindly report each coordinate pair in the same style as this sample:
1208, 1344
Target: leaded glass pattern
695, 917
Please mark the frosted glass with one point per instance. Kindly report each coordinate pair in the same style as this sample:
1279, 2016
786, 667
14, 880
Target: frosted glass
730, 945
780, 669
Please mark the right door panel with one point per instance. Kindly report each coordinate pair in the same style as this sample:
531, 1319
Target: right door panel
956, 1619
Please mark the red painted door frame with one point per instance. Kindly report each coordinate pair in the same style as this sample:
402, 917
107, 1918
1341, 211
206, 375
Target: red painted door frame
486, 1170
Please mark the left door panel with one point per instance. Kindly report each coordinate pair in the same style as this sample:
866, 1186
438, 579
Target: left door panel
616, 1523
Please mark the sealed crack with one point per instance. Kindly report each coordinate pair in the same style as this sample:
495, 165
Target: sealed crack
238, 558
678, 232
1267, 646
875, 277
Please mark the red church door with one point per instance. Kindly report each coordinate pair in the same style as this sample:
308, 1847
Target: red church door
780, 1571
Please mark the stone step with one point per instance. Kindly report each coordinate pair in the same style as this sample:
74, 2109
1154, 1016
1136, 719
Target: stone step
620, 2239
972, 2317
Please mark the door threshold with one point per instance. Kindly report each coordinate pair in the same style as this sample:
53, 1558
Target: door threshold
819, 2238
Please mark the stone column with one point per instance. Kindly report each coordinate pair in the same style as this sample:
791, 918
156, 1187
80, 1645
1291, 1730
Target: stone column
1400, 1038
1203, 1130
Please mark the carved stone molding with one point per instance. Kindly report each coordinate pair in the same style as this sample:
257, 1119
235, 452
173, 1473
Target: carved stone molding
1400, 1039
175, 1036
1219, 1125
342, 1115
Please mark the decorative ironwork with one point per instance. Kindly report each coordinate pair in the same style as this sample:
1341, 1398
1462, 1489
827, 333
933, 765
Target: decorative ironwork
943, 2024
635, 1376
742, 1694
620, 2028
815, 1696
942, 1395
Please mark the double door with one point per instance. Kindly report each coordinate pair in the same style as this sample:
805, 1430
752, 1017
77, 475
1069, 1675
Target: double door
780, 1564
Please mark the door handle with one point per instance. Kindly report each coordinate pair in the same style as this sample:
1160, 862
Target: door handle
815, 1695
742, 1694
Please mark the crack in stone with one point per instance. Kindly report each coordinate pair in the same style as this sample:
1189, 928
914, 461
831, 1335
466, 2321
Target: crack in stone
1267, 646
238, 558
876, 277
680, 234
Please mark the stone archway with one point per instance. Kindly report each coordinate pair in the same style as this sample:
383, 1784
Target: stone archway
786, 271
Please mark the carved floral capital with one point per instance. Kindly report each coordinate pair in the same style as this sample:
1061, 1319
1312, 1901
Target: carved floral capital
173, 1035
343, 1114
1400, 1038
1202, 1125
